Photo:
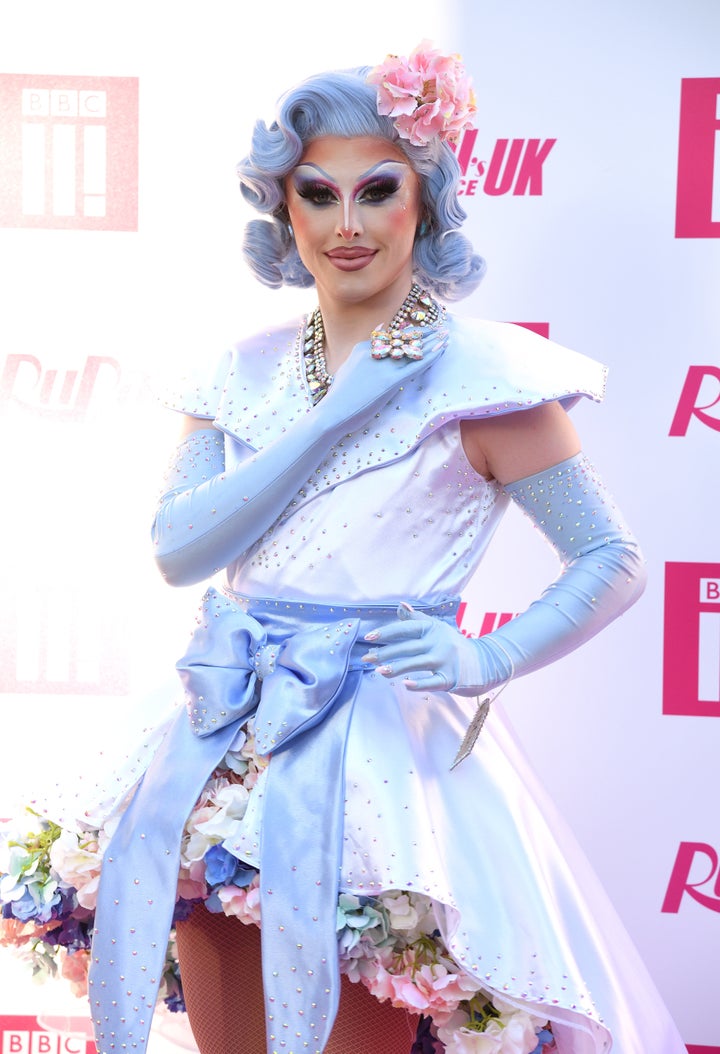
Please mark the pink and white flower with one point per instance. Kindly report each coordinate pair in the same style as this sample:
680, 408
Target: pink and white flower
428, 94
243, 904
436, 988
74, 969
76, 857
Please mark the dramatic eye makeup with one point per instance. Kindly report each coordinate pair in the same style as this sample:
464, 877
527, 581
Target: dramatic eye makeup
313, 189
379, 188
384, 180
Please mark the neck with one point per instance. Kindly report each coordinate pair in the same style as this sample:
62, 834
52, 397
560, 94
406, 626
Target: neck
347, 324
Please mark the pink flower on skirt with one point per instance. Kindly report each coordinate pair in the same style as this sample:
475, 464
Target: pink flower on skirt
244, 904
75, 970
428, 987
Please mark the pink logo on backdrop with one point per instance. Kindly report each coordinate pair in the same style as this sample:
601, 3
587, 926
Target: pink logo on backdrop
70, 152
698, 180
691, 664
695, 874
69, 394
700, 394
511, 166
490, 621
23, 1034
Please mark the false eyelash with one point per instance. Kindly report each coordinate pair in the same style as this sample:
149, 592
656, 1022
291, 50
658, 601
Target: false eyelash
379, 189
374, 192
314, 191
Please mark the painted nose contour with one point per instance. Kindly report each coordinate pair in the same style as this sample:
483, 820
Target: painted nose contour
350, 226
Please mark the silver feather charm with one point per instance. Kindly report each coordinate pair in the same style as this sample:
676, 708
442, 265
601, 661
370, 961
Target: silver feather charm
475, 727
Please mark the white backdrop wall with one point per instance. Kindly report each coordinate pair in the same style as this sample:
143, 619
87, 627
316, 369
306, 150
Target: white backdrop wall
597, 255
135, 274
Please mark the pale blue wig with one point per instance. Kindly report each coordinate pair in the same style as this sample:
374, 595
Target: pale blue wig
342, 103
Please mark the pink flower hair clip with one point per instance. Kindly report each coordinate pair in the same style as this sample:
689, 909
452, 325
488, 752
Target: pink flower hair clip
428, 94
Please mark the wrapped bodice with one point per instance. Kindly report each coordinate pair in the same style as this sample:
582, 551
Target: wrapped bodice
395, 509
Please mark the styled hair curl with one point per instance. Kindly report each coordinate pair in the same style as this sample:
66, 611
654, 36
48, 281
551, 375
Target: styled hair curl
342, 103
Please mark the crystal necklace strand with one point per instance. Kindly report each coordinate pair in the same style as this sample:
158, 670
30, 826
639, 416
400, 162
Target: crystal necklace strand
417, 308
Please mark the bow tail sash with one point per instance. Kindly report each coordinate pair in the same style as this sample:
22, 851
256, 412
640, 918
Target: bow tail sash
136, 898
301, 850
307, 697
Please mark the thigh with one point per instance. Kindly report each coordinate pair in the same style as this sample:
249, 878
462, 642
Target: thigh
220, 964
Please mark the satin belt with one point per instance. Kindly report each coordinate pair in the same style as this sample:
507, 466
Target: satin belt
296, 668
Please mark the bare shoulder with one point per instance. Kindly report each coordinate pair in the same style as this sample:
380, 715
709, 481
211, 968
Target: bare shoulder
510, 446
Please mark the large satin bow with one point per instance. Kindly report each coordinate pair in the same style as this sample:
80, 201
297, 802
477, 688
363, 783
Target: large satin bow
229, 655
300, 690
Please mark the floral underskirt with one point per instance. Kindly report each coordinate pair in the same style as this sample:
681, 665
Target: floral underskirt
391, 942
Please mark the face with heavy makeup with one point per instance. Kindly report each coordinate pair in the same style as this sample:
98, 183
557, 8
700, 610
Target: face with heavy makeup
354, 207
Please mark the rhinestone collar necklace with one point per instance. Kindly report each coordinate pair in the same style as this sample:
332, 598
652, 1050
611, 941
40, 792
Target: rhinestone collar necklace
418, 308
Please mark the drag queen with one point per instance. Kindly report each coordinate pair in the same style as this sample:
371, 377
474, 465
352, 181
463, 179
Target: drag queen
402, 880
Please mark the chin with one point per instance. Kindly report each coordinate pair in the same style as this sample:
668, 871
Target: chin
359, 286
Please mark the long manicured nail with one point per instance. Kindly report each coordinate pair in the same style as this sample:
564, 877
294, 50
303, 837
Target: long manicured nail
372, 635
386, 671
372, 656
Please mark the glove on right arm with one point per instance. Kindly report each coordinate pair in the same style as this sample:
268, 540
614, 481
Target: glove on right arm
207, 517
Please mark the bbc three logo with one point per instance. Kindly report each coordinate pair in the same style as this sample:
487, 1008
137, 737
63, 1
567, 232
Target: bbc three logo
691, 664
72, 122
25, 1034
70, 152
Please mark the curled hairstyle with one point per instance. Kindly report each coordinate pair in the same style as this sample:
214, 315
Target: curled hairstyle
341, 103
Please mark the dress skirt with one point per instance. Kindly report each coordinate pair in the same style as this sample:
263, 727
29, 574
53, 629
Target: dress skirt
353, 815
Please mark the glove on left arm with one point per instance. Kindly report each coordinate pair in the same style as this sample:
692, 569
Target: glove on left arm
604, 574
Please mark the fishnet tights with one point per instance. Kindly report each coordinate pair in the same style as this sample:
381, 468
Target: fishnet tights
222, 982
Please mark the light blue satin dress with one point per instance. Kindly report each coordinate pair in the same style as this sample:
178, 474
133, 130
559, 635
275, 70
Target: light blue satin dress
358, 795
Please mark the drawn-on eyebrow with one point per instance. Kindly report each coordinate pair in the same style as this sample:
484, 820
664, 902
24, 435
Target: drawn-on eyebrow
363, 178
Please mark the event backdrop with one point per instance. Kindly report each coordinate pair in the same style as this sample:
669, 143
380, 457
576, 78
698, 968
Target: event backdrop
592, 186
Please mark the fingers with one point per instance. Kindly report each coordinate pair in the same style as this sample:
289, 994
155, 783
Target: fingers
410, 624
410, 649
409, 657
414, 644
422, 674
436, 682
396, 632
399, 640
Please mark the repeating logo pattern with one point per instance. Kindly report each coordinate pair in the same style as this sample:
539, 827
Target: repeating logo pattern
699, 396
698, 179
70, 152
490, 621
695, 874
691, 664
61, 641
24, 1034
513, 166
40, 389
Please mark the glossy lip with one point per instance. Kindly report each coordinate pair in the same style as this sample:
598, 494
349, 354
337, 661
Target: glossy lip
351, 258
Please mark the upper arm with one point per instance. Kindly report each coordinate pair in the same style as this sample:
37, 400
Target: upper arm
194, 424
514, 445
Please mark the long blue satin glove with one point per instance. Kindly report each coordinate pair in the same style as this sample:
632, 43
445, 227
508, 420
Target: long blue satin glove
604, 574
208, 517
